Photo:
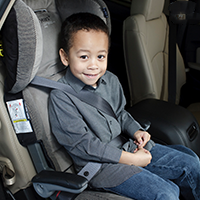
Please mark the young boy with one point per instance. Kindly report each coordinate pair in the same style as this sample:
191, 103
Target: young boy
135, 167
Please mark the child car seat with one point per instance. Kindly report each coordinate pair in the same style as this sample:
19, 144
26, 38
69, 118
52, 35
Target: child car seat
30, 41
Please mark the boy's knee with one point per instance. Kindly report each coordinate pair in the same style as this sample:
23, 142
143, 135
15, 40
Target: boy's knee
169, 193
165, 196
193, 164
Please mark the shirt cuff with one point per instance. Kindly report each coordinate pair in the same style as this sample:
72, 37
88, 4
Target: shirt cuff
111, 154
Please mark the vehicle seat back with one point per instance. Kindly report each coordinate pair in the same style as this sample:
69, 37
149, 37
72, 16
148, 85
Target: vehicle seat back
145, 36
31, 43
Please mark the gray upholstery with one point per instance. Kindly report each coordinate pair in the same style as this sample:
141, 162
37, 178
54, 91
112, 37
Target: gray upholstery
66, 8
38, 55
37, 51
28, 52
44, 23
94, 195
50, 67
145, 36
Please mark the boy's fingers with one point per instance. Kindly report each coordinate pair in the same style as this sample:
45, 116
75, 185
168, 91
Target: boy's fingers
146, 138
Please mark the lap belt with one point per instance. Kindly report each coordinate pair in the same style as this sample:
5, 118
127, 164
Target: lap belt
91, 168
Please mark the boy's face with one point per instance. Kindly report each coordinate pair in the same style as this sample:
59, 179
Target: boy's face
87, 57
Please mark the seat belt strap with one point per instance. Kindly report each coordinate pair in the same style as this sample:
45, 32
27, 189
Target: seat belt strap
84, 95
89, 170
172, 63
179, 13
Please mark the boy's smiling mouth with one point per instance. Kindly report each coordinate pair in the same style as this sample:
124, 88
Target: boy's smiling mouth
91, 75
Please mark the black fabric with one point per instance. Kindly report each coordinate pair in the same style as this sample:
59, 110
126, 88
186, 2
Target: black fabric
170, 123
5, 193
186, 8
48, 160
190, 92
10, 47
2, 191
23, 44
24, 138
172, 63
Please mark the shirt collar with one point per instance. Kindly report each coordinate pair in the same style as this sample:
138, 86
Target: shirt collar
77, 84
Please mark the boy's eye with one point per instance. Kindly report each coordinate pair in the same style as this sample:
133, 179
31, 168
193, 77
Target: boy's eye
101, 57
84, 57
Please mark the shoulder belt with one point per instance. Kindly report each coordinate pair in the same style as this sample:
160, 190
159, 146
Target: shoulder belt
84, 95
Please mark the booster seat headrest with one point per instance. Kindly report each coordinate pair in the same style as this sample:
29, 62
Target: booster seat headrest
31, 37
23, 44
97, 7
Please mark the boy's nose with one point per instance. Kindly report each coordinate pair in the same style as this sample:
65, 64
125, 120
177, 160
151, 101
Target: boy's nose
92, 67
93, 64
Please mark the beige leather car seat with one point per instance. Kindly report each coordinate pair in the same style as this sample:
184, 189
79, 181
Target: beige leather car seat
12, 153
145, 38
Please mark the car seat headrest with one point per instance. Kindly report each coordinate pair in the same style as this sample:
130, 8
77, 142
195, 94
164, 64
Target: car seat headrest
97, 7
22, 46
30, 33
39, 5
31, 37
151, 9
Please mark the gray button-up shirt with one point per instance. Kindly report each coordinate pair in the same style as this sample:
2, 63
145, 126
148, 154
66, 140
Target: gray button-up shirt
86, 132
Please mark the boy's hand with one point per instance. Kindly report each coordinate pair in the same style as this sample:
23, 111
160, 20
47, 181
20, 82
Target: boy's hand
141, 158
141, 138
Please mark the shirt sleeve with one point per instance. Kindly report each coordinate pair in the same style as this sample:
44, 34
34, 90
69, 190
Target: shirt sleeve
75, 135
128, 124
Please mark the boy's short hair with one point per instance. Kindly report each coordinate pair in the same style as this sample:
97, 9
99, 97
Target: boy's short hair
77, 22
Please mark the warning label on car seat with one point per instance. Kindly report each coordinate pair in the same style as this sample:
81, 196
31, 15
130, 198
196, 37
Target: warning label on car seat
18, 116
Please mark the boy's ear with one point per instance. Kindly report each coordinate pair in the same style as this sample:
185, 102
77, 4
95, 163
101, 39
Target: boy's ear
63, 57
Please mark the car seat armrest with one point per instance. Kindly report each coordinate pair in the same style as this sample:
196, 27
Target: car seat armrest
170, 123
195, 66
47, 182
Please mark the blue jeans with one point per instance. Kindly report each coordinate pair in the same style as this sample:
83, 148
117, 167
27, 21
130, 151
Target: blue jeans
173, 170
